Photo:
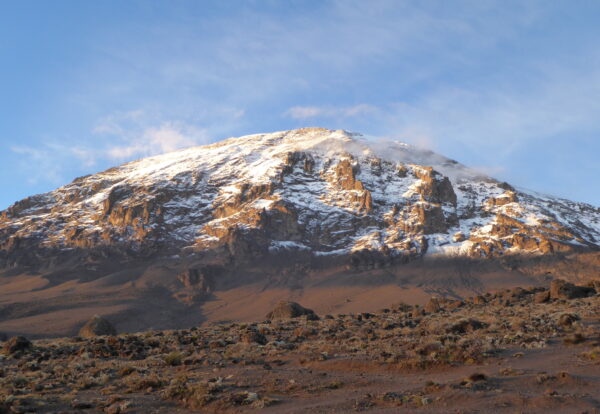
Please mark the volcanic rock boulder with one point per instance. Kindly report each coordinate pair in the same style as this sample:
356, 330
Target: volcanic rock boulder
97, 326
288, 310
561, 289
466, 325
16, 344
541, 297
433, 306
253, 337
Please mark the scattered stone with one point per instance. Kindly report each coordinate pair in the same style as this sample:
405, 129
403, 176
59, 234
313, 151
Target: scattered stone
16, 344
288, 310
217, 344
466, 325
476, 377
567, 319
97, 326
253, 337
113, 409
80, 405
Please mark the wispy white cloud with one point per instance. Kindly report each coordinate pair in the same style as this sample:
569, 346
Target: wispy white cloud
123, 137
167, 137
308, 112
134, 134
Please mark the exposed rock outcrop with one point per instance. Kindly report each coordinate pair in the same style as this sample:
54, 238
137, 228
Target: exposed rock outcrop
201, 279
506, 198
435, 187
97, 326
288, 310
345, 175
198, 283
561, 289
541, 297
432, 306
251, 336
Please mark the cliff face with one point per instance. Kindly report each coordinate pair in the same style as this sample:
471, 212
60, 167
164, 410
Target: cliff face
315, 191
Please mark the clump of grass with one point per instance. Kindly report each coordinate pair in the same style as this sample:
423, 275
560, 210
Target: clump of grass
193, 395
136, 382
593, 355
510, 372
85, 383
20, 381
173, 359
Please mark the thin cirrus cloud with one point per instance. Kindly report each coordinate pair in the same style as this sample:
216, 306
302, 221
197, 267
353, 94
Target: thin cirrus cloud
130, 136
157, 140
123, 138
309, 112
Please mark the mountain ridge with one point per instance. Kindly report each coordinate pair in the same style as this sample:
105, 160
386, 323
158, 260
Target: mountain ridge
198, 197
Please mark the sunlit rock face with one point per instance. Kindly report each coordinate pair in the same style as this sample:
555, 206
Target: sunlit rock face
311, 192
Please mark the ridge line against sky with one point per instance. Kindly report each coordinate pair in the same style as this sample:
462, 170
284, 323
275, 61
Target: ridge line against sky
510, 88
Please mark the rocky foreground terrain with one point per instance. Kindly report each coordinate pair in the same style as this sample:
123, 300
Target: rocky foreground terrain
521, 350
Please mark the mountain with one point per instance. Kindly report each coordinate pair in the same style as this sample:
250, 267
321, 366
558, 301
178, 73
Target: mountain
278, 210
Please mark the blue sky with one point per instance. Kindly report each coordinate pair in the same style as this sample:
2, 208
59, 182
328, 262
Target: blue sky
509, 87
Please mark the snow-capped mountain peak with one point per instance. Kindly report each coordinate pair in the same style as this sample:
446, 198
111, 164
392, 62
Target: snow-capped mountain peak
312, 190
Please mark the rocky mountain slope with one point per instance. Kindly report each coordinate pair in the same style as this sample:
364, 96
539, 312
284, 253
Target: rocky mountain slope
312, 190
224, 231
